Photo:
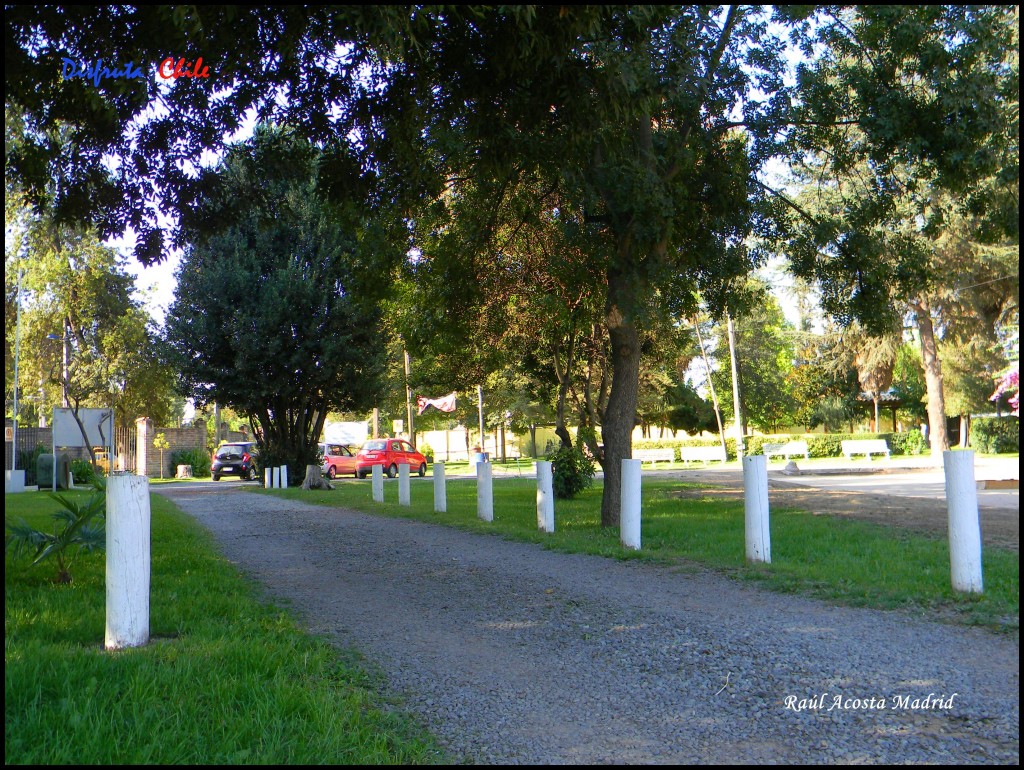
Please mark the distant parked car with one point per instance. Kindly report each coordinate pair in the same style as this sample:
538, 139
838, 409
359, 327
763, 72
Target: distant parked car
235, 459
389, 453
338, 460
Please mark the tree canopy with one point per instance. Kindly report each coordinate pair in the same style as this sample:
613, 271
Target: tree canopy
649, 125
277, 312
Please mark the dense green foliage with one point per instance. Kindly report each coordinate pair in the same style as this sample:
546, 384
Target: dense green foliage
996, 434
637, 134
276, 310
199, 459
572, 471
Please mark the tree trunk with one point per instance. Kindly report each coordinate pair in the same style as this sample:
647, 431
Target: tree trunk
314, 479
620, 415
939, 438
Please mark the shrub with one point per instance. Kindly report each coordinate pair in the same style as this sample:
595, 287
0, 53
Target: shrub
80, 528
996, 434
82, 471
571, 471
197, 458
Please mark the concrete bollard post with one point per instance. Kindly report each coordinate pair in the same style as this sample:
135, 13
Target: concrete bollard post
128, 561
403, 485
277, 477
284, 477
440, 494
484, 492
964, 525
545, 497
378, 483
629, 525
268, 478
755, 508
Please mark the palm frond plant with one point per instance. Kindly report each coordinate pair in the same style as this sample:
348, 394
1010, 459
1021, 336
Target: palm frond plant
80, 527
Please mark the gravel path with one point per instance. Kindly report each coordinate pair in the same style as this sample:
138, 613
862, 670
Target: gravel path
516, 655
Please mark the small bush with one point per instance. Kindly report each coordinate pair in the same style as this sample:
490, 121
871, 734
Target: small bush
571, 472
994, 435
197, 458
82, 471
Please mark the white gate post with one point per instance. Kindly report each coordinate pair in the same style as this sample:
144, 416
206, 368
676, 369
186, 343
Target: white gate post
755, 508
284, 477
378, 483
440, 495
629, 500
403, 484
277, 477
268, 478
545, 497
128, 561
484, 492
964, 526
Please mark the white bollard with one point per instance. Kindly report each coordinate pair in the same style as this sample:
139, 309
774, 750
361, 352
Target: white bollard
403, 484
284, 477
484, 492
128, 561
964, 525
268, 478
755, 508
378, 483
277, 477
629, 524
545, 497
440, 495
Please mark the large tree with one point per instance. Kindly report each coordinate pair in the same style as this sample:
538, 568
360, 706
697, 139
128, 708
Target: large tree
276, 312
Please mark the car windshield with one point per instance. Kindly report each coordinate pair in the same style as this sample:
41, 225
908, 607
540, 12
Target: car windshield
375, 446
229, 450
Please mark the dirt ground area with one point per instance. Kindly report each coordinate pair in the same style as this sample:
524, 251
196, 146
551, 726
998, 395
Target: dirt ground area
1000, 527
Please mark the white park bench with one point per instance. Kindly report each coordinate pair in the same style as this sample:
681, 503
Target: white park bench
701, 454
787, 450
867, 447
654, 455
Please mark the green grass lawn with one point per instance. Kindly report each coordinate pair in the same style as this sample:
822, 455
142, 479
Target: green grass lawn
844, 561
227, 678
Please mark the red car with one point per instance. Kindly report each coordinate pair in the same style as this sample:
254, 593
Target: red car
338, 460
389, 453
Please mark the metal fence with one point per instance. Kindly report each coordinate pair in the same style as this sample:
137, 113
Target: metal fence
32, 442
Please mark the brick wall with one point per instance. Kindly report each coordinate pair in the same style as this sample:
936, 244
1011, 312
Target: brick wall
178, 439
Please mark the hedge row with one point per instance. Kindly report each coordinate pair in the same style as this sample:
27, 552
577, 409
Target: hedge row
818, 444
995, 434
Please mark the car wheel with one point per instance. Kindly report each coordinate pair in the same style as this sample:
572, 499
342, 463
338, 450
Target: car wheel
360, 474
331, 473
392, 471
216, 477
423, 470
252, 473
